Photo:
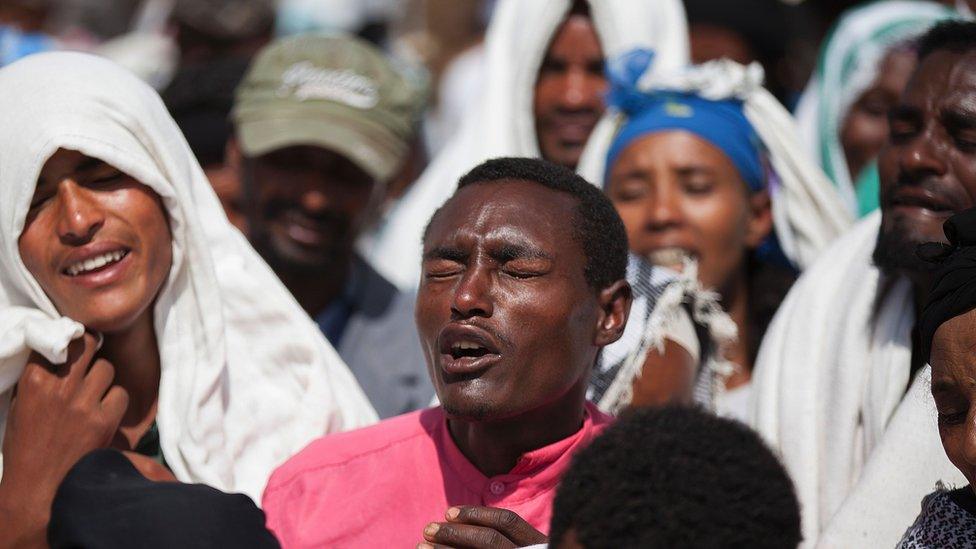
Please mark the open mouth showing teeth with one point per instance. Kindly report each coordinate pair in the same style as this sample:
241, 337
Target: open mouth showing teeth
669, 257
95, 263
466, 349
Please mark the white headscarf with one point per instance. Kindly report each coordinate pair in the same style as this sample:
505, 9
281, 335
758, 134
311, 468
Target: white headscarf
504, 124
848, 64
807, 212
247, 379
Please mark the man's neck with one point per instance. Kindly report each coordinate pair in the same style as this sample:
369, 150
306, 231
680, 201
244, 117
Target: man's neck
134, 353
315, 289
494, 447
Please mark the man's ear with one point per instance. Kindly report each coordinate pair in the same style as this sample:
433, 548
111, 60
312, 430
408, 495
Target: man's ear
615, 301
760, 222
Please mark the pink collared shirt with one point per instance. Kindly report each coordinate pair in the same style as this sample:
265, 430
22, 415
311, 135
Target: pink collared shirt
379, 486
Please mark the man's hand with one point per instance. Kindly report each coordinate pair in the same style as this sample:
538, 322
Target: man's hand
59, 413
480, 527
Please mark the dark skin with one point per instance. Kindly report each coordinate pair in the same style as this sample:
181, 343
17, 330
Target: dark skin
306, 207
954, 390
865, 128
25, 17
569, 91
952, 3
666, 377
502, 270
680, 196
102, 397
928, 167
710, 42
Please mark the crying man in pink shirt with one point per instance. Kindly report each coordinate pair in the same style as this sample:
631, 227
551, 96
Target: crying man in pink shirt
523, 283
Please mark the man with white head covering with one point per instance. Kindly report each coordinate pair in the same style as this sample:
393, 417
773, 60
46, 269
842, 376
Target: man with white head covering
543, 96
840, 390
132, 314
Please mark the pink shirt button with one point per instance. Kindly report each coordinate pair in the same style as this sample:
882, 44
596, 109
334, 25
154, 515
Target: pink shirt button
496, 487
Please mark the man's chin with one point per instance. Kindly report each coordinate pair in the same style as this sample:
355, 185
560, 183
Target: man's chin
293, 259
467, 410
898, 240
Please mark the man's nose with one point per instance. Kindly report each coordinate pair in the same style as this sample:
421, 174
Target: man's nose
924, 155
472, 296
579, 90
314, 200
80, 215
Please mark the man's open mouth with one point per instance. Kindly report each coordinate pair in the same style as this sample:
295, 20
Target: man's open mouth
918, 198
465, 349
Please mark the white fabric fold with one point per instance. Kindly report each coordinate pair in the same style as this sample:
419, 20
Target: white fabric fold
504, 124
247, 379
807, 212
830, 376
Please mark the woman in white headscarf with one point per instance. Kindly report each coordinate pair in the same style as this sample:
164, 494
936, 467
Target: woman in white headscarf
504, 124
864, 64
108, 225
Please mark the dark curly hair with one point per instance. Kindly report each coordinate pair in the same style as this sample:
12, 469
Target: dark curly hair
676, 477
954, 36
596, 226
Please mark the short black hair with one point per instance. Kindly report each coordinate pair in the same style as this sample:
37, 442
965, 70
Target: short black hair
955, 36
676, 477
596, 226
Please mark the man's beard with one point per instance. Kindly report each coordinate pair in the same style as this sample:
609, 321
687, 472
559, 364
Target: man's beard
895, 250
479, 411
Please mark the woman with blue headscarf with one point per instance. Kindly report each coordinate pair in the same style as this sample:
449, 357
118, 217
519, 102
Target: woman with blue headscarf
705, 168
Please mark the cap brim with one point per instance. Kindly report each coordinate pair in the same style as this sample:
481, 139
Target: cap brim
262, 136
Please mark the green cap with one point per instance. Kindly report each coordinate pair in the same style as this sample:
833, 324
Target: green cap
331, 91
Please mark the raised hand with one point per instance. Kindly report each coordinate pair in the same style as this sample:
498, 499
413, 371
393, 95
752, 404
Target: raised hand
59, 413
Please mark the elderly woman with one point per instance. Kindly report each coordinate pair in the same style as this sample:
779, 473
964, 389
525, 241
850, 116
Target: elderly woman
705, 168
132, 314
947, 333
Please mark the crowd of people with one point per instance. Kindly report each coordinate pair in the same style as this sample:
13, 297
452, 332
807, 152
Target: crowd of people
611, 275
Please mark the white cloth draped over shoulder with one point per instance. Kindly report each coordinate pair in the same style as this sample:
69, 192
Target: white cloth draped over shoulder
247, 378
807, 212
504, 124
829, 387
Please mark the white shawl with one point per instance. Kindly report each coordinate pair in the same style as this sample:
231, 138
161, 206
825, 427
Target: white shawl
503, 124
247, 379
831, 375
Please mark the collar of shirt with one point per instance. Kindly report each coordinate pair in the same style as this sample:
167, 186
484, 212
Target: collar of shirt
535, 472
